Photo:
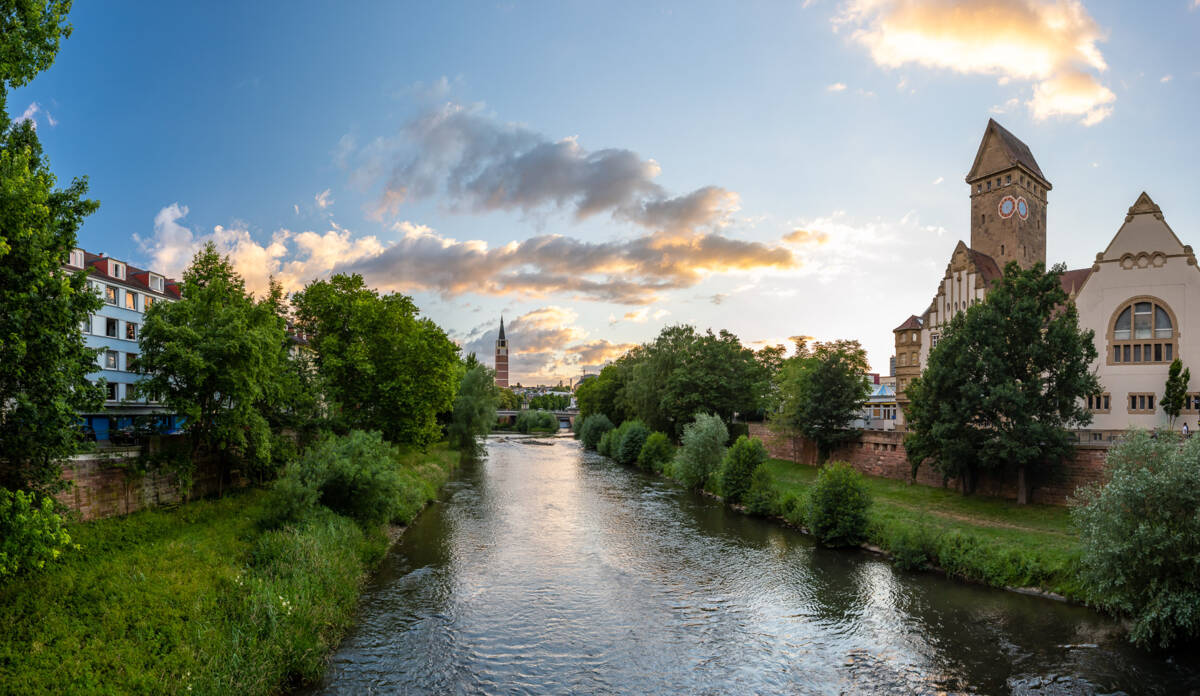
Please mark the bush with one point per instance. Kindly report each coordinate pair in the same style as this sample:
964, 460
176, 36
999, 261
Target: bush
703, 446
577, 426
911, 548
837, 506
627, 441
656, 453
739, 466
761, 498
31, 532
354, 475
737, 430
1140, 536
537, 421
593, 429
604, 447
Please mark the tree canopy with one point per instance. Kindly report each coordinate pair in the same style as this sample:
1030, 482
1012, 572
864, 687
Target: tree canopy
1004, 383
821, 390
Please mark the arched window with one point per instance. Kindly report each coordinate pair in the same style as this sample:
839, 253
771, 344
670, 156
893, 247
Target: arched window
1142, 331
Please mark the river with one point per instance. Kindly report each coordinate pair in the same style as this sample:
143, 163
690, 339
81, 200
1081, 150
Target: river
550, 570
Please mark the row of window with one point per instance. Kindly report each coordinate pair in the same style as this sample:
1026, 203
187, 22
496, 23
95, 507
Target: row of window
1140, 402
112, 328
903, 362
904, 336
883, 412
111, 360
119, 297
1007, 181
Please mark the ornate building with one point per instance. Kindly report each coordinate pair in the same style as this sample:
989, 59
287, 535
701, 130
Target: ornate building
501, 358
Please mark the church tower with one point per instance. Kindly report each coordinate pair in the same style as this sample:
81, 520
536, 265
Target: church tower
501, 358
1008, 200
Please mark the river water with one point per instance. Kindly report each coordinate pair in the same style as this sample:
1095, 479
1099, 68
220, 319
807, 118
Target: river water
549, 570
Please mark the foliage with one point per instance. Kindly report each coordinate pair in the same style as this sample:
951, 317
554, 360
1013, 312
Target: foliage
1005, 382
604, 393
760, 497
837, 506
1175, 390
354, 475
702, 447
1140, 535
537, 421
214, 357
30, 34
821, 389
594, 427
474, 411
741, 461
550, 402
31, 532
384, 368
627, 441
604, 447
656, 453
508, 400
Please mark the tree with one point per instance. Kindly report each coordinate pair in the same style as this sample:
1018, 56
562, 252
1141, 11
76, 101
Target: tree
215, 357
509, 400
701, 450
43, 361
604, 394
383, 368
1005, 382
821, 390
474, 411
1175, 390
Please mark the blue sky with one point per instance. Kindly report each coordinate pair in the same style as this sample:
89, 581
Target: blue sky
775, 169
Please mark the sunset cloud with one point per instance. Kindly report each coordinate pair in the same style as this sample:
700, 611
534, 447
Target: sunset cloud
1051, 43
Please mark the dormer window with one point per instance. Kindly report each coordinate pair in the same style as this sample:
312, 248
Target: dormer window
156, 282
116, 269
76, 258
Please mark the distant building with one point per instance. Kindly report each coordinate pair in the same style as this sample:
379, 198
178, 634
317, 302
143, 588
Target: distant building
127, 292
501, 358
880, 411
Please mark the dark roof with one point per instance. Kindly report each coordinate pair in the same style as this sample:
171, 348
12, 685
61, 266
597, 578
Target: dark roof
913, 322
1018, 153
135, 277
501, 328
1072, 281
986, 266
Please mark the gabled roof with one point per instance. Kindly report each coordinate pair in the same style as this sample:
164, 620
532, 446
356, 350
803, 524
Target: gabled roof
1015, 151
986, 266
135, 277
1072, 281
913, 322
1143, 205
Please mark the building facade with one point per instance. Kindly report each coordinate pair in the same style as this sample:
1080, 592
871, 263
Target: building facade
127, 292
501, 358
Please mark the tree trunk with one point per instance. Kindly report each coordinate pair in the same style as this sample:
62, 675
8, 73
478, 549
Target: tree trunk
1022, 486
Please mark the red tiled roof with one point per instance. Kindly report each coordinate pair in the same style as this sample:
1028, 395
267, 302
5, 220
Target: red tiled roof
913, 322
135, 277
986, 266
1072, 281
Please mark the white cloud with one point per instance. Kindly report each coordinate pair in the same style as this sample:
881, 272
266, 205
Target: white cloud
836, 87
1050, 43
938, 180
31, 113
1006, 106
323, 200
1167, 78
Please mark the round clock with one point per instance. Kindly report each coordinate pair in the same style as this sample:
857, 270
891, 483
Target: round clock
1007, 206
1022, 208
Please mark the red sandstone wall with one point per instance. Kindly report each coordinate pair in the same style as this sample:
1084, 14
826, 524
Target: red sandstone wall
99, 486
881, 453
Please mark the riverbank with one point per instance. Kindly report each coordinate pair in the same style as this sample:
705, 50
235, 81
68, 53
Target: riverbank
198, 599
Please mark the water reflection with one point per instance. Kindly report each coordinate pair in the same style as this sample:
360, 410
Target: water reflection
550, 570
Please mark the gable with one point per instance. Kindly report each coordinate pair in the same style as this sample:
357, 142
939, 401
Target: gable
1000, 150
1145, 232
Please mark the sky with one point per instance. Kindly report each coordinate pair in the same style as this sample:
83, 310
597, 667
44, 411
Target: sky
593, 172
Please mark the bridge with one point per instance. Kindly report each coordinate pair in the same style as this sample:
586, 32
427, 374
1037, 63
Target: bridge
566, 418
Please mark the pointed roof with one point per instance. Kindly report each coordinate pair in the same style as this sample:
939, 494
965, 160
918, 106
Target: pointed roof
1072, 281
501, 327
1144, 205
1013, 151
913, 322
985, 265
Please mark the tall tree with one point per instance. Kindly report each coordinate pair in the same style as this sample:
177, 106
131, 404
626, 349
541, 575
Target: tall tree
384, 368
1175, 390
1005, 382
43, 360
474, 411
822, 389
215, 357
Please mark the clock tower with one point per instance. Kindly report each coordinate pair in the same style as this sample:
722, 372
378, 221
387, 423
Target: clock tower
501, 358
1008, 200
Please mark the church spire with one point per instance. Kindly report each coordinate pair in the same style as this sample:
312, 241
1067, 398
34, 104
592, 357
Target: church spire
501, 327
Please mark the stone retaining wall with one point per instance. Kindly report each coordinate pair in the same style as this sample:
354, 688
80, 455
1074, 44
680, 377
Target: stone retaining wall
881, 453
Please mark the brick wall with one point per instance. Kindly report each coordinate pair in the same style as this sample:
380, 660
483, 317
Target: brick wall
881, 453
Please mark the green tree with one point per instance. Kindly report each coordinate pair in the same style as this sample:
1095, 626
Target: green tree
605, 393
1004, 384
508, 399
701, 450
474, 411
43, 360
737, 470
384, 368
821, 390
1175, 390
214, 357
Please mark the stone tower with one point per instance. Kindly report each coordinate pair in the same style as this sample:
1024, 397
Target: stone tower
501, 358
1008, 200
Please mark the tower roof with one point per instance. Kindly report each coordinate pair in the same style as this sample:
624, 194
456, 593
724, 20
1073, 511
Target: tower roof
1006, 150
502, 328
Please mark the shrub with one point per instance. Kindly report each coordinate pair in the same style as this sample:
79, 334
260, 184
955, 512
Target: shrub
537, 421
1140, 536
737, 430
656, 453
703, 446
739, 465
760, 497
31, 532
911, 548
577, 426
593, 429
628, 440
354, 475
604, 447
837, 506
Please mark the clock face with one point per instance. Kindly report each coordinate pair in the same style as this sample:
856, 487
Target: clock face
1022, 208
1007, 206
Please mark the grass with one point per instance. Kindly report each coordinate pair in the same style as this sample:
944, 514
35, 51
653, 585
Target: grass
987, 540
196, 599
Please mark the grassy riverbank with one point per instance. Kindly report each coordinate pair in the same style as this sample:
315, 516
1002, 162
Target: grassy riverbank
198, 599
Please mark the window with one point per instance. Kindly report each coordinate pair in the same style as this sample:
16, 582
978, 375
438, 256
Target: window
1141, 402
915, 337
113, 391
110, 294
76, 258
86, 325
131, 300
933, 339
110, 327
1008, 180
1100, 403
1002, 250
130, 331
989, 184
156, 282
904, 360
116, 269
1142, 332
903, 337
913, 360
978, 188
130, 362
147, 302
1191, 403
112, 360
